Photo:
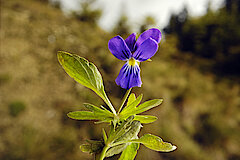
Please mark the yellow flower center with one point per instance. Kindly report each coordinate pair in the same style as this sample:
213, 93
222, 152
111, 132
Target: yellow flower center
132, 62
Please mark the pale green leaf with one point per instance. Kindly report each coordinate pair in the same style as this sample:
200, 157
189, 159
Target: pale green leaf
92, 146
98, 111
155, 143
131, 99
104, 135
130, 152
121, 129
82, 115
84, 72
130, 108
86, 115
130, 132
148, 105
86, 148
107, 120
115, 150
145, 118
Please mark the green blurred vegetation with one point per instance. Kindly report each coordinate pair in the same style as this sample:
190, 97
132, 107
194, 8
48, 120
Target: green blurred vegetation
200, 113
122, 27
16, 107
214, 36
86, 13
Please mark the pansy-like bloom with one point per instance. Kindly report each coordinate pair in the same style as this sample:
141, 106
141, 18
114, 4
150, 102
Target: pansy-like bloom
134, 51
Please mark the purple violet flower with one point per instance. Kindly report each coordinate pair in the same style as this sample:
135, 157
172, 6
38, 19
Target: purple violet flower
134, 52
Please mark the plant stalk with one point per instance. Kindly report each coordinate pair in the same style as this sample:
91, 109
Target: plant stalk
124, 99
107, 101
102, 156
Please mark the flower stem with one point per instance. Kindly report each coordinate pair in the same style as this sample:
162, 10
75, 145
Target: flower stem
107, 101
103, 153
124, 99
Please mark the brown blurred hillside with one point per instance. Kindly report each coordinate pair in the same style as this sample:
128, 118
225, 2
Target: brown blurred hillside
200, 113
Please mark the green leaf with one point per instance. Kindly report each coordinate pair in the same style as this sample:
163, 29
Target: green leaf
131, 99
148, 105
141, 108
130, 132
127, 130
155, 143
82, 71
92, 146
130, 152
86, 115
104, 136
98, 111
82, 115
86, 148
115, 150
120, 129
145, 118
85, 73
131, 107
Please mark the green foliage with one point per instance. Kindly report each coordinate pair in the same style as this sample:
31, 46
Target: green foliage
146, 106
86, 115
116, 150
122, 26
88, 75
131, 131
4, 78
132, 104
92, 146
130, 152
145, 118
85, 73
82, 71
125, 126
155, 143
119, 130
98, 111
211, 37
104, 136
87, 14
131, 99
16, 107
133, 110
124, 132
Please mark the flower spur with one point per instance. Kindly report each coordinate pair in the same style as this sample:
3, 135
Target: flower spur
133, 52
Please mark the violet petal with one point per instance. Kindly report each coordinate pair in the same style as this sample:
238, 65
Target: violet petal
146, 50
119, 48
130, 41
153, 33
129, 76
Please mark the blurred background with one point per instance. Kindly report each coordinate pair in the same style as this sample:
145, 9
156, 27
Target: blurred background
196, 71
